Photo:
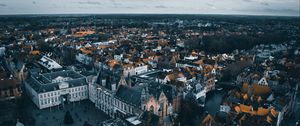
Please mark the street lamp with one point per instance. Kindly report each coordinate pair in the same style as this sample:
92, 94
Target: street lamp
50, 105
79, 99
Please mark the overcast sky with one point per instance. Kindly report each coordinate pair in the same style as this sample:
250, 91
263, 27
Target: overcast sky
248, 7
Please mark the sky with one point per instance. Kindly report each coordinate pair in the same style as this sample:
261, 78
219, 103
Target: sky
240, 7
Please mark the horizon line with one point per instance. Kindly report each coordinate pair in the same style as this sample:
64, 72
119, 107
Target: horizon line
207, 14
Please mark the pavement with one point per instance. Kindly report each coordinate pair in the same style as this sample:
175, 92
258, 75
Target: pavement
80, 111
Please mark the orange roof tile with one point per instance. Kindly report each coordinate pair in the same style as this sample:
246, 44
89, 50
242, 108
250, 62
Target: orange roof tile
274, 112
237, 109
245, 96
35, 52
127, 66
146, 60
112, 63
208, 118
245, 108
262, 111
171, 76
85, 51
245, 87
83, 33
248, 109
261, 90
269, 119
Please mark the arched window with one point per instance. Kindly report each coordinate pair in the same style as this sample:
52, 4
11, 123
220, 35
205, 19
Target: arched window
152, 108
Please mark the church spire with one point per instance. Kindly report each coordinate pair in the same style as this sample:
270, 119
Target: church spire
122, 80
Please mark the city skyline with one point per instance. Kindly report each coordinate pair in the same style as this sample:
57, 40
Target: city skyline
235, 7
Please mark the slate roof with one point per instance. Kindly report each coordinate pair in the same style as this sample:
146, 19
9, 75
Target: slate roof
41, 82
132, 95
129, 95
155, 89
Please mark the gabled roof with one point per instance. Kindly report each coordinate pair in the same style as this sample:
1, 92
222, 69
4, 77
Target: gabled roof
156, 89
263, 82
44, 82
129, 95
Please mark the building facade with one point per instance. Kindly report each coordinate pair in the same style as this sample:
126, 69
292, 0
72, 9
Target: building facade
134, 69
56, 88
159, 99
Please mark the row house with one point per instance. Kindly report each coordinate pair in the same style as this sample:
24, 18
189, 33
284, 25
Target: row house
134, 69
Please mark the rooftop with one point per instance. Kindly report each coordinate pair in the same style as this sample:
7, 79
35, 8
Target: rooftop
52, 81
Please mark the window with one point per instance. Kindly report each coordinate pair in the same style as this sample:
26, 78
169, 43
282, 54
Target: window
44, 95
152, 108
41, 96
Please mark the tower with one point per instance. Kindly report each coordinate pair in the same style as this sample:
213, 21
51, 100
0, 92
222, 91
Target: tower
128, 80
122, 81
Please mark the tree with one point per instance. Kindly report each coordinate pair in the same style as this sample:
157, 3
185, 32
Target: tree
190, 111
86, 124
68, 118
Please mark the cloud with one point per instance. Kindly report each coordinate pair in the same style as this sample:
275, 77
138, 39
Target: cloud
212, 6
253, 7
209, 4
264, 3
90, 2
281, 10
116, 4
248, 0
161, 6
2, 5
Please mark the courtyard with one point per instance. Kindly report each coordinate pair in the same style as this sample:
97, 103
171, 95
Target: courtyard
82, 112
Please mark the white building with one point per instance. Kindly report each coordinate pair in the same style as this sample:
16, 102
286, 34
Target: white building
83, 58
105, 101
118, 57
49, 63
134, 69
92, 85
56, 88
2, 51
